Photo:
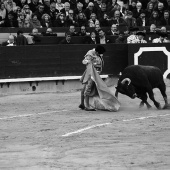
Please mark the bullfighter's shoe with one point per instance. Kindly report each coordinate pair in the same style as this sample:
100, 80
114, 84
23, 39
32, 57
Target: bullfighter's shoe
81, 106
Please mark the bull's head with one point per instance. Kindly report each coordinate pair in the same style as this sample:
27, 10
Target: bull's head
125, 87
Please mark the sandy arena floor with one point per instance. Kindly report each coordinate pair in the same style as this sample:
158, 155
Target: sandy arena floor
34, 134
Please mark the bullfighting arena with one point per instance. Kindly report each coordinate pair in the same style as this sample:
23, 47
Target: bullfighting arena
47, 131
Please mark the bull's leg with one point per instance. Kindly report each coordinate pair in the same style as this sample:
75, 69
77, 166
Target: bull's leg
151, 96
144, 101
116, 93
162, 88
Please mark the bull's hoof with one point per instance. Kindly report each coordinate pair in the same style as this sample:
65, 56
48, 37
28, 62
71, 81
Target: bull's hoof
141, 105
158, 106
166, 106
149, 107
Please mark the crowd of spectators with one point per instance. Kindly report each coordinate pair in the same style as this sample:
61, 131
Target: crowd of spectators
36, 14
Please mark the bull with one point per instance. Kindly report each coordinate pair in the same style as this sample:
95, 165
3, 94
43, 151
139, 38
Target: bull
138, 81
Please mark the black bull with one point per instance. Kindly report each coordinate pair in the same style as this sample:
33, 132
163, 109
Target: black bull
138, 80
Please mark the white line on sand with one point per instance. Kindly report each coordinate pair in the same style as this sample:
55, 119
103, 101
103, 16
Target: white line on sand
105, 124
28, 115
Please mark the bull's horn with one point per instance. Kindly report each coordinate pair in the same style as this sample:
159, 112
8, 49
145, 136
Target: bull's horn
126, 79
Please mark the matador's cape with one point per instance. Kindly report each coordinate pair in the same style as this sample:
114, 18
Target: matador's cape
104, 100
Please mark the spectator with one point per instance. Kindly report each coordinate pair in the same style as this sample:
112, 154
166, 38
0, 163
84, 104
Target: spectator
111, 6
93, 20
21, 3
136, 13
60, 21
141, 20
160, 9
21, 20
11, 21
79, 9
39, 12
102, 39
130, 20
10, 42
155, 3
132, 37
52, 11
165, 21
152, 28
71, 19
121, 38
34, 22
67, 39
132, 7
140, 38
167, 5
27, 23
21, 39
10, 5
149, 9
3, 11
34, 5
91, 39
35, 36
46, 4
113, 31
49, 32
83, 31
89, 10
162, 38
97, 28
154, 19
46, 21
28, 13
117, 19
97, 5
163, 29
72, 30
81, 20
103, 16
59, 5
66, 9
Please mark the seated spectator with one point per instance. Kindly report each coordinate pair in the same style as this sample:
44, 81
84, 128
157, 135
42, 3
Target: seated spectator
96, 29
81, 20
93, 20
21, 3
141, 20
141, 36
27, 24
21, 20
117, 19
121, 38
149, 9
46, 21
66, 9
39, 12
49, 32
83, 31
160, 9
91, 39
1, 22
35, 36
89, 10
52, 11
130, 20
163, 29
60, 21
59, 5
11, 21
132, 6
10, 42
102, 39
46, 4
152, 28
154, 19
79, 9
71, 19
34, 22
3, 11
162, 38
113, 31
72, 30
27, 12
111, 6
138, 10
165, 20
132, 37
10, 5
34, 5
67, 39
21, 39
